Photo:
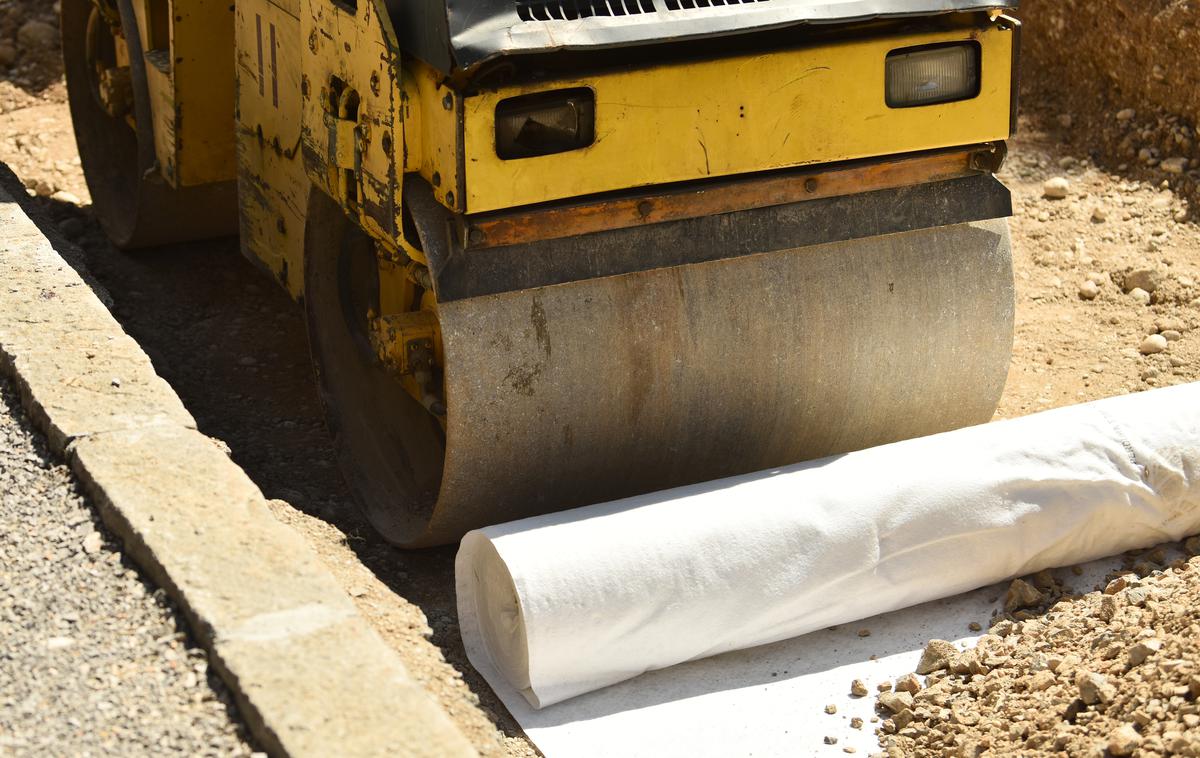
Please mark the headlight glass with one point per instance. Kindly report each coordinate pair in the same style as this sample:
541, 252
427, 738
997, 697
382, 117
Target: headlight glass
930, 75
545, 123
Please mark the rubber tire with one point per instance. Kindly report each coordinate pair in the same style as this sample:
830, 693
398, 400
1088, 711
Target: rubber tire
134, 205
390, 449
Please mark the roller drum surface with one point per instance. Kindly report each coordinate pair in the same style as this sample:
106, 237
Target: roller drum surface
599, 389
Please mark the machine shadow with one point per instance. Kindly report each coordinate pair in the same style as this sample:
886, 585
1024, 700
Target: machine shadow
234, 347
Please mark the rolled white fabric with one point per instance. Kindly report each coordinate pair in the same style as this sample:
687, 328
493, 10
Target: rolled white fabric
559, 605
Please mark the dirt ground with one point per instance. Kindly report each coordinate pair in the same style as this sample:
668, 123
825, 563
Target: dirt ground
233, 345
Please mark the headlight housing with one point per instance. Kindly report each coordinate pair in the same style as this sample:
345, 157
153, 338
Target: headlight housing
932, 74
545, 123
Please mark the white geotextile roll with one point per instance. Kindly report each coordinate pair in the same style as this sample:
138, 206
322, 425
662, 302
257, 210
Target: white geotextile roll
563, 604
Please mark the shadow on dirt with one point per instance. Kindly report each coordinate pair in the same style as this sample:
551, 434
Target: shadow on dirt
234, 347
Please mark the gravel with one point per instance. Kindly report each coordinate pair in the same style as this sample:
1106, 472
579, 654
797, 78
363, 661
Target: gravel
1110, 672
94, 659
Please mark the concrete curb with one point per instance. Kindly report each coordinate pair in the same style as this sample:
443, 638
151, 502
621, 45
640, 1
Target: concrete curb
310, 675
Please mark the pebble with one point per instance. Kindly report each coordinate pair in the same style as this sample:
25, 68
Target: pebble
1088, 290
92, 543
1153, 344
908, 683
829, 740
62, 196
1022, 594
1126, 114
1099, 215
1170, 335
1144, 649
896, 701
1140, 295
831, 709
1174, 165
856, 723
1094, 688
858, 688
37, 37
1124, 740
1056, 188
937, 655
1142, 278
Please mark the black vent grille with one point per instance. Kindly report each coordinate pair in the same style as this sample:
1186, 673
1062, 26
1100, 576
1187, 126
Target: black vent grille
570, 10
679, 5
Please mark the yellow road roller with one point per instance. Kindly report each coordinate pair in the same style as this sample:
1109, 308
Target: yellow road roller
556, 252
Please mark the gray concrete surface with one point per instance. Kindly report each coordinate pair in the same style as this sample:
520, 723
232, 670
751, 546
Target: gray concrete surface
308, 674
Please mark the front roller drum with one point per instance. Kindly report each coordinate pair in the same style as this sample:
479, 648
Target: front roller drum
594, 390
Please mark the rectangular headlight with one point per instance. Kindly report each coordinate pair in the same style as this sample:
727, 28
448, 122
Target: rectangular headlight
930, 75
545, 123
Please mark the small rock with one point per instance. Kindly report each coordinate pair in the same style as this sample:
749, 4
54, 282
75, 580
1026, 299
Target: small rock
92, 543
864, 632
1022, 594
1126, 114
975, 626
1174, 165
1142, 278
1155, 343
1124, 740
858, 688
830, 740
1170, 335
908, 683
1118, 584
1099, 215
1088, 290
1056, 188
58, 643
357, 591
37, 37
62, 196
831, 709
903, 718
1140, 295
896, 701
1143, 650
856, 723
937, 655
884, 686
1094, 688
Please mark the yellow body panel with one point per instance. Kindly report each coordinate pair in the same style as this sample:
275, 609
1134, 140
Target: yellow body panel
737, 115
189, 73
272, 186
352, 145
431, 147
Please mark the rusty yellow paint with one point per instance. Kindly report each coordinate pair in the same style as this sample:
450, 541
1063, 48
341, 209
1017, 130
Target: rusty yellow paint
190, 78
272, 185
432, 136
737, 115
351, 123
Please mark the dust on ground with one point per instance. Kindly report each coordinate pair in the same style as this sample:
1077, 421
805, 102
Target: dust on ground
1086, 228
